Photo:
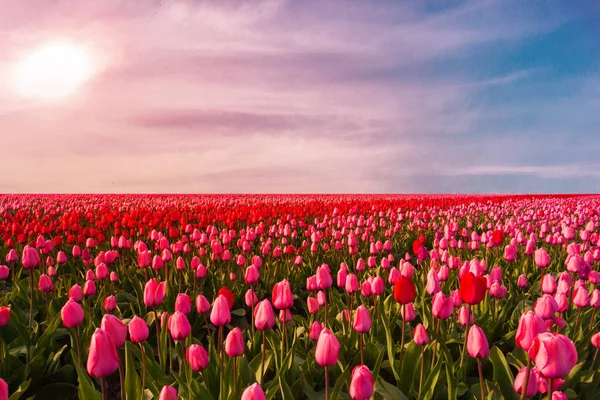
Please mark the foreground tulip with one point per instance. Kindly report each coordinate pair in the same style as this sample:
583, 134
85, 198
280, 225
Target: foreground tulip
522, 377
472, 288
404, 290
253, 392
71, 314
138, 330
362, 325
179, 326
168, 393
103, 360
197, 357
234, 347
3, 390
362, 383
116, 328
154, 293
220, 314
421, 338
530, 325
479, 348
282, 295
326, 354
554, 355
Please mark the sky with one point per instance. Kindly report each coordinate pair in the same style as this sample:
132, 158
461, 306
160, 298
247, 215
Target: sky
193, 96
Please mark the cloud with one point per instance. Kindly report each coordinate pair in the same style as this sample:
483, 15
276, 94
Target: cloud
270, 96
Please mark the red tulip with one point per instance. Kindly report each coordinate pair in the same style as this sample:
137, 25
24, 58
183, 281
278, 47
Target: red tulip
472, 288
228, 295
404, 290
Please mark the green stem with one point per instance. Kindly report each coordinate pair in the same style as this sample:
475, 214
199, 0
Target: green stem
481, 384
143, 369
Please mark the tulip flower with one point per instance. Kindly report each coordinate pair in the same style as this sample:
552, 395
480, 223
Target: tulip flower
197, 357
554, 356
253, 392
234, 347
4, 318
115, 328
75, 293
362, 325
168, 393
522, 377
183, 303
326, 354
179, 326
315, 330
361, 384
139, 332
421, 338
478, 348
110, 304
282, 295
103, 360
4, 390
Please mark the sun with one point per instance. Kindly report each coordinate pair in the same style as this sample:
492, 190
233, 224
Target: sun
53, 71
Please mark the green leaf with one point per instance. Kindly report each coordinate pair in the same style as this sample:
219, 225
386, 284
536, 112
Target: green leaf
387, 391
430, 384
22, 388
337, 389
133, 385
87, 390
502, 374
286, 392
390, 348
410, 363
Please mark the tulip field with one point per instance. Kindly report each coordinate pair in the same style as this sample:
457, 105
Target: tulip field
252, 297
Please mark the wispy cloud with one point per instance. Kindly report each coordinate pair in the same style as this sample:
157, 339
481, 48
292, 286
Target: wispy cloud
269, 96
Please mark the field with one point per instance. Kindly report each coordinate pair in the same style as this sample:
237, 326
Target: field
299, 297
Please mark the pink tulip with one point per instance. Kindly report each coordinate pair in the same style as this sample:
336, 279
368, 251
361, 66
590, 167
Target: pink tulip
234, 343
45, 284
530, 325
168, 393
362, 320
532, 387
89, 288
315, 330
30, 258
421, 337
183, 303
477, 344
282, 295
442, 306
220, 314
264, 318
202, 304
102, 359
197, 357
327, 350
110, 304
4, 316
362, 383
554, 354
253, 392
179, 326
115, 328
154, 293
138, 330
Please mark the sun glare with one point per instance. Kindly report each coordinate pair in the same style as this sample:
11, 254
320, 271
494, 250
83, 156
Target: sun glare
53, 71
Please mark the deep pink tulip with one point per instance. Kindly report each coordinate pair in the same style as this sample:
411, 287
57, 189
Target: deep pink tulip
420, 336
197, 357
89, 288
220, 314
138, 329
168, 393
234, 343
45, 284
554, 354
103, 359
179, 326
328, 348
154, 293
315, 330
30, 257
362, 383
530, 325
202, 304
3, 390
183, 303
4, 316
442, 306
115, 328
362, 320
282, 295
264, 318
110, 304
532, 386
477, 344
253, 392
252, 275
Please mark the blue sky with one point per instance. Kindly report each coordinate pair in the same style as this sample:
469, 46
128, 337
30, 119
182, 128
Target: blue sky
281, 96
